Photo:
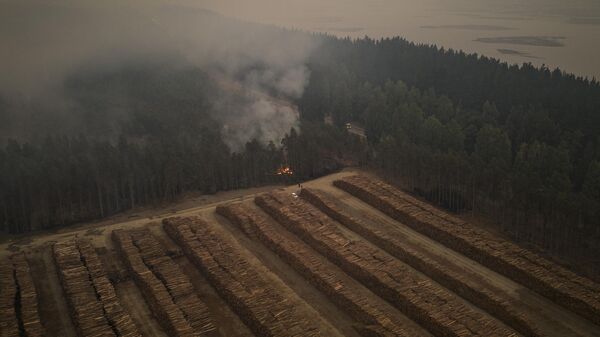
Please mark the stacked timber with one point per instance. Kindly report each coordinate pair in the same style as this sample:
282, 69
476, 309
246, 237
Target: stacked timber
166, 288
92, 300
576, 293
86, 309
441, 269
19, 314
376, 317
118, 318
264, 310
28, 306
427, 303
9, 324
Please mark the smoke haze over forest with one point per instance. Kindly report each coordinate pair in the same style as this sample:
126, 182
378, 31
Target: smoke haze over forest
46, 45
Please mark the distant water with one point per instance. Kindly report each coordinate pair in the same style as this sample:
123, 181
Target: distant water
557, 33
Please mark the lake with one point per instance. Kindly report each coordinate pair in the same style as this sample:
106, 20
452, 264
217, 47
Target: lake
563, 34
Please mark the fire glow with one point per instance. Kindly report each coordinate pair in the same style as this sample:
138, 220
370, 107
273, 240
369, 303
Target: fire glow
284, 170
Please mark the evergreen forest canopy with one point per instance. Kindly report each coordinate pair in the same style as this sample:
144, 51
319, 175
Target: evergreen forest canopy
517, 144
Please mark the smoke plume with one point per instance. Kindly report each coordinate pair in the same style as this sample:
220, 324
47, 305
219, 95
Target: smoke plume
42, 44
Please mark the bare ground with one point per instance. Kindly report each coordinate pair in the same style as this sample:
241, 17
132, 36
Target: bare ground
53, 308
133, 301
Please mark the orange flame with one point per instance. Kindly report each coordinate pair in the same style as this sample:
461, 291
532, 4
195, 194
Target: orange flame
284, 170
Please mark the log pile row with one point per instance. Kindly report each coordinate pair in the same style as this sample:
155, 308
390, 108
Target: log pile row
432, 306
19, 314
167, 290
28, 306
9, 323
347, 294
119, 319
441, 269
261, 307
93, 303
576, 293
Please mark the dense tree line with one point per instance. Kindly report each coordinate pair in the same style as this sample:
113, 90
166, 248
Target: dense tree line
166, 145
516, 144
468, 79
66, 180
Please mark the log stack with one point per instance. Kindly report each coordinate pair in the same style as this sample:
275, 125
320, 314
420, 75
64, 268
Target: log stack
261, 307
9, 324
564, 287
441, 269
86, 309
94, 306
375, 316
28, 306
166, 288
432, 306
19, 314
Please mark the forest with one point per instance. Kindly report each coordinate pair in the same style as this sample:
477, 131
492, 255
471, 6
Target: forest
518, 145
515, 144
166, 146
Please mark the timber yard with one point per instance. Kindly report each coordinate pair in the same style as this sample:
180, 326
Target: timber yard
345, 255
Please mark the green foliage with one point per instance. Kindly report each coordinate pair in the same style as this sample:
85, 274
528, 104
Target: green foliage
591, 191
541, 175
492, 148
515, 143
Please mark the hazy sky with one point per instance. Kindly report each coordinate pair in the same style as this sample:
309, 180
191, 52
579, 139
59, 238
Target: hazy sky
464, 21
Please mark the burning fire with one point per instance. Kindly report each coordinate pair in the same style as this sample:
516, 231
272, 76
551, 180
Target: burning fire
284, 170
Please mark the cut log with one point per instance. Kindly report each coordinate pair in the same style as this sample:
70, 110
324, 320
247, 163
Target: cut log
560, 285
265, 311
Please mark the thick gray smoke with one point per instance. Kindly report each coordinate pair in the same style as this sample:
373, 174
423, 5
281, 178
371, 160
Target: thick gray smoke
262, 119
262, 116
42, 43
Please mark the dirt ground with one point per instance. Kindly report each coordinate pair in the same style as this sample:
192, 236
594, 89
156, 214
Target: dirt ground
53, 308
553, 319
133, 301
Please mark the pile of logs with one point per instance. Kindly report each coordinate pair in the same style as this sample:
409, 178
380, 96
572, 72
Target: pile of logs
93, 303
261, 307
19, 314
432, 306
9, 324
28, 306
376, 316
576, 293
166, 288
441, 269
